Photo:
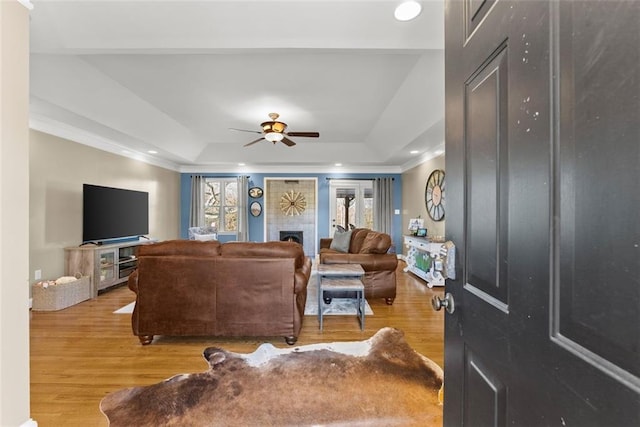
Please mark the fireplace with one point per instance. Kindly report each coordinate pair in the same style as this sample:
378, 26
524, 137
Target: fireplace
291, 236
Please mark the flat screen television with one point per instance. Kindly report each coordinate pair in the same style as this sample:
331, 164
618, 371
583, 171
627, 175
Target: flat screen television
113, 213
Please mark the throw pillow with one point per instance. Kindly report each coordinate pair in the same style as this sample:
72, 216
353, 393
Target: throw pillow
341, 241
205, 237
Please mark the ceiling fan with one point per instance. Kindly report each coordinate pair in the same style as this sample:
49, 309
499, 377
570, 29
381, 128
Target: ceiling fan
274, 131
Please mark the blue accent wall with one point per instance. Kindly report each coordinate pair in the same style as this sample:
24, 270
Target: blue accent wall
256, 224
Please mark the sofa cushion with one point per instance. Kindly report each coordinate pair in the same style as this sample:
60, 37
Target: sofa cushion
369, 262
275, 249
357, 238
181, 248
375, 243
341, 241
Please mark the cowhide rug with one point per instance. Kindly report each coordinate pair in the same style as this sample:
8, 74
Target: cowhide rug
378, 382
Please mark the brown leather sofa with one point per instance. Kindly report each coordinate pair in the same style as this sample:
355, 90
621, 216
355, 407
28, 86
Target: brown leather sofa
208, 288
369, 249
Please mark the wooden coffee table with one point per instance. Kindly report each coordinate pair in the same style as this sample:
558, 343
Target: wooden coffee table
341, 278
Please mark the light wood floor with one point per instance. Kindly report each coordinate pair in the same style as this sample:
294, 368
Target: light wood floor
81, 353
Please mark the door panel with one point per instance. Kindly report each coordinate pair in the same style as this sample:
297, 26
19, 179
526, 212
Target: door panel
599, 180
485, 147
543, 161
485, 394
475, 11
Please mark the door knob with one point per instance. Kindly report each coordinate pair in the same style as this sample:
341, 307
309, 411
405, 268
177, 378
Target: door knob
438, 303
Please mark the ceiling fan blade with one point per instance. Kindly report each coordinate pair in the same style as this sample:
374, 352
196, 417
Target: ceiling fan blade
288, 142
304, 134
245, 130
253, 142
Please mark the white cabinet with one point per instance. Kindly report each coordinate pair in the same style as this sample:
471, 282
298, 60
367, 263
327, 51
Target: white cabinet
107, 265
431, 261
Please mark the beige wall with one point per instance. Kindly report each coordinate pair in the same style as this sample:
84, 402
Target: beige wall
414, 182
14, 214
58, 168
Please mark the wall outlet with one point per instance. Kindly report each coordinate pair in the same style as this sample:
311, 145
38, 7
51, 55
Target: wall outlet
37, 274
396, 212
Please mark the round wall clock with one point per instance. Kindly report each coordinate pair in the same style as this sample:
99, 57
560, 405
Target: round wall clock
292, 203
434, 195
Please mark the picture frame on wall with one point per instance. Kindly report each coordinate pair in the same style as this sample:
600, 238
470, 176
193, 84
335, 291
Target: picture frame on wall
415, 224
255, 192
255, 209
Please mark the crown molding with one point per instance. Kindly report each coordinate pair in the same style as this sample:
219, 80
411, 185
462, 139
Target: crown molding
290, 168
80, 136
83, 137
436, 152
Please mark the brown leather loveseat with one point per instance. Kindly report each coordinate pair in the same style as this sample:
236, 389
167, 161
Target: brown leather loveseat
208, 288
369, 249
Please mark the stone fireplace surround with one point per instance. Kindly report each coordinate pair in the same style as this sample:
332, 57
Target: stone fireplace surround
276, 220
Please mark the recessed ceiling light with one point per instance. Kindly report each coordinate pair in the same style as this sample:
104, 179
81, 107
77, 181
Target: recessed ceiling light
338, 164
152, 152
407, 10
241, 164
414, 152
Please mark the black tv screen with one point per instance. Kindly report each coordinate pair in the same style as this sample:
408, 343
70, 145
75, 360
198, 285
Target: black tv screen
113, 213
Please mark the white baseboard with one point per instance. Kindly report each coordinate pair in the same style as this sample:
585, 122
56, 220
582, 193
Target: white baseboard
29, 423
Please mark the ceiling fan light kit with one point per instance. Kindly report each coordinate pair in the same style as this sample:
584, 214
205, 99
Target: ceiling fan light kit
274, 131
274, 137
273, 126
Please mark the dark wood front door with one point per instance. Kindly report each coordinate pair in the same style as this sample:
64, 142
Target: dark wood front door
543, 190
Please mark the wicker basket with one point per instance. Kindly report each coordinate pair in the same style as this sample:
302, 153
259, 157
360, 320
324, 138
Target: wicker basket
57, 297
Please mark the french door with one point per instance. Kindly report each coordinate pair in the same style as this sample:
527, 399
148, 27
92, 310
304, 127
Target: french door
351, 204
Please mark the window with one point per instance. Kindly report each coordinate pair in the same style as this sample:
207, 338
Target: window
221, 204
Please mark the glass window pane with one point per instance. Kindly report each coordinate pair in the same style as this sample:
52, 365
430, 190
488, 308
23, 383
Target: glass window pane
231, 218
212, 193
212, 217
231, 193
352, 219
368, 211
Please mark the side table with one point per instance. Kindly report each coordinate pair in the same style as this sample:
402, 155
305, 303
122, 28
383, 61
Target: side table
341, 277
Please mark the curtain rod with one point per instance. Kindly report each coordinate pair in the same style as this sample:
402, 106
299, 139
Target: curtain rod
356, 179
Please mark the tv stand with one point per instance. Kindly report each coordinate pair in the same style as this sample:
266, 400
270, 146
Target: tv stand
106, 264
